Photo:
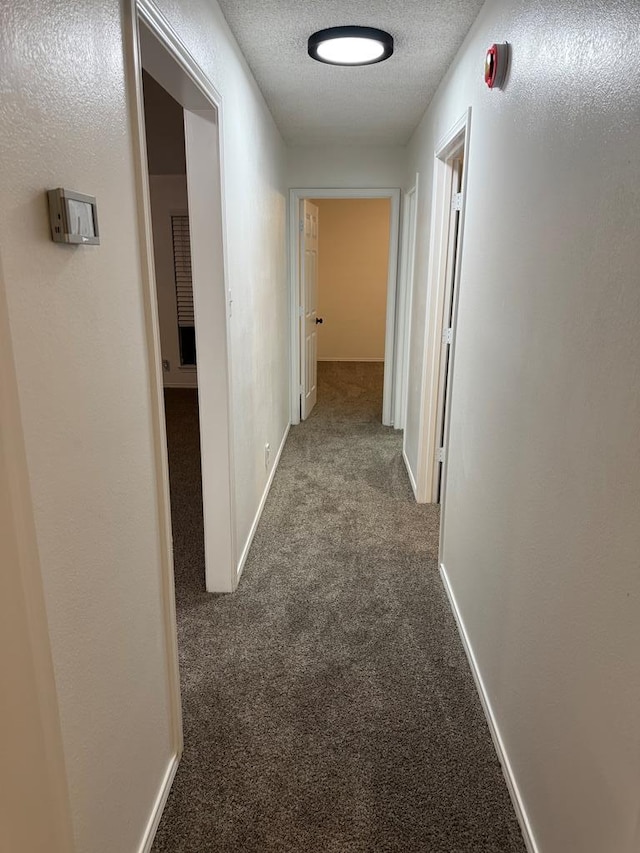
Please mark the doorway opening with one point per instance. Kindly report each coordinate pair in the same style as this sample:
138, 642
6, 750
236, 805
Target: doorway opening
192, 235
447, 226
167, 171
344, 257
167, 167
188, 310
456, 165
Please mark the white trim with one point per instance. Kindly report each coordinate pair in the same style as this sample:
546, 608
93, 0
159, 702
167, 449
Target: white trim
156, 390
455, 140
296, 195
412, 479
263, 500
148, 12
294, 309
507, 770
354, 358
158, 806
212, 345
406, 277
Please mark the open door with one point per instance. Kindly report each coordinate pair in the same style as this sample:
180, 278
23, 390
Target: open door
448, 318
309, 313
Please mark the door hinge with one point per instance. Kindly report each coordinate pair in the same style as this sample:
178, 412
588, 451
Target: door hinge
230, 302
301, 226
447, 336
440, 454
300, 311
301, 390
456, 201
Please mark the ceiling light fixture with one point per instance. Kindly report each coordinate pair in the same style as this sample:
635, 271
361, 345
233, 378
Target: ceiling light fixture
350, 46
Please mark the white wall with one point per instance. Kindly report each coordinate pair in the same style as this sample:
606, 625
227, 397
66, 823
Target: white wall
78, 339
541, 536
353, 268
34, 812
346, 166
168, 195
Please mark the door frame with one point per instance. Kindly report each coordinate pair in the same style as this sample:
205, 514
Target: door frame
296, 197
184, 79
309, 241
157, 47
447, 151
406, 274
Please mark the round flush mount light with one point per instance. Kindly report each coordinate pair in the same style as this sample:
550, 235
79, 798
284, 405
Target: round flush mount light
350, 46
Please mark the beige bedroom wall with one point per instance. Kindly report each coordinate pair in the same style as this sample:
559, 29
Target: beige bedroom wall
352, 278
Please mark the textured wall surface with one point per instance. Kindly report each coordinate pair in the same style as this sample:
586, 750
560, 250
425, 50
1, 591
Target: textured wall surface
78, 336
34, 806
77, 329
353, 260
541, 534
346, 166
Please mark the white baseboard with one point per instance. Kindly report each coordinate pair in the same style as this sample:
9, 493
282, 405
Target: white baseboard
158, 806
412, 479
256, 520
507, 770
351, 359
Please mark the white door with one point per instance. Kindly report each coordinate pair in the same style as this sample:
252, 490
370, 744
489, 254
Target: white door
448, 318
309, 313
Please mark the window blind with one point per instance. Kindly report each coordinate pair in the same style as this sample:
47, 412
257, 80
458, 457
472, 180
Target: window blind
182, 269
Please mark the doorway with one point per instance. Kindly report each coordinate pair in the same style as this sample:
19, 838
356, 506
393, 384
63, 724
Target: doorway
155, 49
456, 167
201, 314
344, 276
447, 227
166, 159
307, 322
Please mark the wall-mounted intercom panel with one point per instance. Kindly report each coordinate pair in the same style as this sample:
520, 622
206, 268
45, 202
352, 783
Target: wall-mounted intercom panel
74, 217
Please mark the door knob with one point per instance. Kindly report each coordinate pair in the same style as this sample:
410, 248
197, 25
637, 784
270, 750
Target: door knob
318, 320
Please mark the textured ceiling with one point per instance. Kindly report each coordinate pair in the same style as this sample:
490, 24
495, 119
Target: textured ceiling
376, 104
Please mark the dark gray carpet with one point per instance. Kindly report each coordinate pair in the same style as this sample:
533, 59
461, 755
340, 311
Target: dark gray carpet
328, 704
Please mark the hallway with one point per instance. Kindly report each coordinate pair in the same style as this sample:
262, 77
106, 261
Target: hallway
328, 704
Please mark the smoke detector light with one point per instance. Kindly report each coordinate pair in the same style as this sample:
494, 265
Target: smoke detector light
350, 46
